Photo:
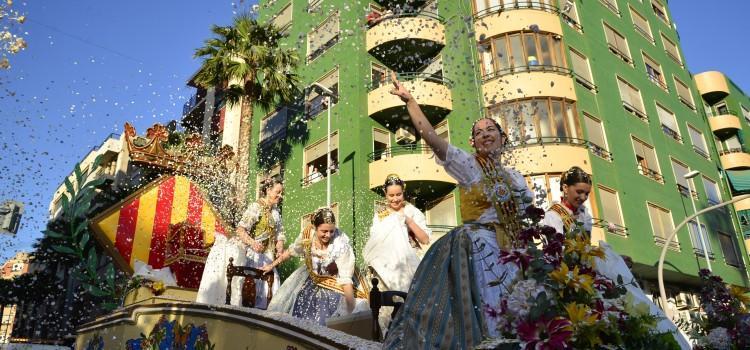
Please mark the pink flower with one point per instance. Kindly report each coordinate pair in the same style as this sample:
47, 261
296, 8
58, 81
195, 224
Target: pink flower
545, 334
515, 256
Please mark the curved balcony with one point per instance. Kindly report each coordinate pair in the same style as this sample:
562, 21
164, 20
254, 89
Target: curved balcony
415, 165
725, 125
534, 16
432, 93
406, 41
528, 81
712, 85
551, 154
735, 158
401, 3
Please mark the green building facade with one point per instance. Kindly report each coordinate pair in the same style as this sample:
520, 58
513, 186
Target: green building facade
603, 86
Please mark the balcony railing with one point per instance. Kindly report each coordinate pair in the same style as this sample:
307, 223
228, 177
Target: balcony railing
650, 173
645, 33
686, 192
671, 133
687, 102
610, 6
701, 152
731, 150
317, 176
725, 112
585, 82
656, 79
399, 150
524, 5
569, 141
622, 55
527, 69
323, 48
571, 21
427, 14
412, 76
635, 111
610, 226
673, 57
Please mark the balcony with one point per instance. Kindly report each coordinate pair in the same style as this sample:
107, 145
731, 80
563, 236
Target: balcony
431, 92
712, 85
531, 81
515, 17
551, 154
735, 159
415, 165
651, 174
406, 41
725, 125
401, 3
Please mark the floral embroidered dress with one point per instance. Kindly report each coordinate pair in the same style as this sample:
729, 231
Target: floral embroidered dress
313, 291
460, 274
563, 219
263, 224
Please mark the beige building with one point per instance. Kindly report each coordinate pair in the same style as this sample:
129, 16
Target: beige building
16, 266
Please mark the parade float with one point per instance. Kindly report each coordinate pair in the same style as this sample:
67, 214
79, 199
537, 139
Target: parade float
160, 236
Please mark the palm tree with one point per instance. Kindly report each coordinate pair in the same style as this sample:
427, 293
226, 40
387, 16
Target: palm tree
246, 60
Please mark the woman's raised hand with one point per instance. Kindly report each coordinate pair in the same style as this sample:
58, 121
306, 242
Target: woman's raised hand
399, 89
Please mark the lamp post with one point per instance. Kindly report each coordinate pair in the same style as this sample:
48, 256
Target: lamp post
329, 95
691, 186
660, 268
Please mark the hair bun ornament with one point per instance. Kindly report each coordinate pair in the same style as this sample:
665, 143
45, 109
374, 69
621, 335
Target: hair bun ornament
392, 179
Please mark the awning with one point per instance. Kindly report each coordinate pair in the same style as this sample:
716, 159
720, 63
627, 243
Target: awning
739, 181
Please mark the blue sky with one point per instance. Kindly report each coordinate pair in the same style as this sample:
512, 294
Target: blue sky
93, 65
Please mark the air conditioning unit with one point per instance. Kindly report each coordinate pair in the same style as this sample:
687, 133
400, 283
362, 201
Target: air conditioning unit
405, 136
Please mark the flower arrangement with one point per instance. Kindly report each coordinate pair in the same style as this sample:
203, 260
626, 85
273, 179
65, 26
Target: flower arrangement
157, 287
726, 324
559, 300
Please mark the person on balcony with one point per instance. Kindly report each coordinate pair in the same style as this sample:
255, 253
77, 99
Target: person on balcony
570, 212
397, 233
324, 286
460, 274
259, 237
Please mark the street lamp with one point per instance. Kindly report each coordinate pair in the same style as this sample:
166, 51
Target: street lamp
660, 269
325, 91
691, 187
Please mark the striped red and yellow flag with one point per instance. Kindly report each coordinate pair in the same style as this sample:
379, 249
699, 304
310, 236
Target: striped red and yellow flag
137, 227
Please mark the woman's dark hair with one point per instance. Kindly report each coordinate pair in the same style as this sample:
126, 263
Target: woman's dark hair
573, 176
268, 183
323, 216
393, 179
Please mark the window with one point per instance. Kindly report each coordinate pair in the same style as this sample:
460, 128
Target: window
660, 11
729, 249
441, 215
645, 157
641, 25
595, 136
546, 189
730, 145
631, 99
610, 209
582, 69
381, 142
283, 19
680, 170
699, 143
684, 92
721, 108
612, 5
313, 5
315, 102
482, 7
378, 75
315, 159
273, 125
653, 70
745, 113
569, 13
538, 120
695, 238
671, 49
441, 129
712, 191
323, 37
668, 123
524, 51
617, 44
661, 223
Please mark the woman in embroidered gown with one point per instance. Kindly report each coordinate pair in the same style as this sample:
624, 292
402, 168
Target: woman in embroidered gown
323, 286
575, 185
460, 274
397, 232
259, 233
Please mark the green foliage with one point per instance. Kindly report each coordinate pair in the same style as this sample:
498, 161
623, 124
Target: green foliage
73, 239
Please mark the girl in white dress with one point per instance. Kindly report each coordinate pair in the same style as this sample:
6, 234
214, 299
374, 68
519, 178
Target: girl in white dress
259, 234
460, 275
575, 185
324, 285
